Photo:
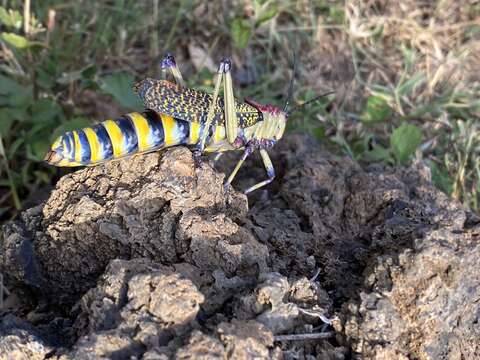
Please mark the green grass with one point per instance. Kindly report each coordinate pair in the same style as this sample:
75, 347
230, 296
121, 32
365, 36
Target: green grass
399, 96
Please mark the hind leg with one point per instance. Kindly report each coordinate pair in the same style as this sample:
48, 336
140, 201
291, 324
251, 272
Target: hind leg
223, 75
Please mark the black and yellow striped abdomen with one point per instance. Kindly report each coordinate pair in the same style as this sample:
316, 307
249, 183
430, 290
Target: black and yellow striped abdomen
113, 139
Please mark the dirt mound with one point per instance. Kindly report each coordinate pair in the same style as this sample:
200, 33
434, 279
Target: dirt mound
150, 258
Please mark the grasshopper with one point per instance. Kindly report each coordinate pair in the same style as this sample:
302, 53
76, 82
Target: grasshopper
177, 115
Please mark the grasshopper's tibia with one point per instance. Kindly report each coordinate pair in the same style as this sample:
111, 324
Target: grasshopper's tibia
224, 74
217, 157
169, 64
246, 153
266, 162
231, 124
270, 172
214, 160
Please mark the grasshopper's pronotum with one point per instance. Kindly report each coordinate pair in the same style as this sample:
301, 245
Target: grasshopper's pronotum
177, 115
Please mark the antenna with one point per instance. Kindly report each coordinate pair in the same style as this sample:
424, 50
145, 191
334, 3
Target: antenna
299, 107
290, 86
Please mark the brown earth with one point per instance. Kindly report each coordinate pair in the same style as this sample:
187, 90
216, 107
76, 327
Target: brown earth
151, 258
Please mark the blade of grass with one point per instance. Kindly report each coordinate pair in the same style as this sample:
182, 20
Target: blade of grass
13, 189
174, 26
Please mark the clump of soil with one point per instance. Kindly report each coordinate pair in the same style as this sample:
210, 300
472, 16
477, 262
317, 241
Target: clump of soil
151, 258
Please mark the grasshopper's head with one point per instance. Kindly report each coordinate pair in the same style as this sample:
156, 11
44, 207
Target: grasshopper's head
274, 118
278, 120
280, 124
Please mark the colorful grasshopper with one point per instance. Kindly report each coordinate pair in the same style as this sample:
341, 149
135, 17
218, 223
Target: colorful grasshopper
177, 115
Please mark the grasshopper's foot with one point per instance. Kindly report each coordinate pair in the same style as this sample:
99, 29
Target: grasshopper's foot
168, 61
197, 157
168, 64
269, 169
225, 65
227, 187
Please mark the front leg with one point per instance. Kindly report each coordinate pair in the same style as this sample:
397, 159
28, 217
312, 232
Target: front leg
169, 64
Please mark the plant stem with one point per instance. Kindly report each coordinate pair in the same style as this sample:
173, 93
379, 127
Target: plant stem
300, 337
26, 17
13, 189
166, 47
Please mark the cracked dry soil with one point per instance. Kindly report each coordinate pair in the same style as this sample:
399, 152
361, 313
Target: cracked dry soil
149, 258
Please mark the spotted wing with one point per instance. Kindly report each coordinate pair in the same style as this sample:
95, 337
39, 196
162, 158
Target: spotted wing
187, 104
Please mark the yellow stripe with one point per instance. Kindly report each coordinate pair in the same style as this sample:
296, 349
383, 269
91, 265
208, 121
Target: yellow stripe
194, 132
58, 141
67, 163
142, 129
169, 126
77, 147
95, 146
116, 137
219, 133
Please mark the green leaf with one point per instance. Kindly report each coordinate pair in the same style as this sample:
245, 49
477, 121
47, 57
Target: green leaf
10, 18
6, 122
44, 79
15, 40
45, 111
9, 86
19, 98
70, 77
360, 144
8, 116
336, 15
319, 133
440, 177
38, 147
89, 72
404, 141
22, 99
377, 154
13, 147
415, 81
266, 15
377, 110
19, 114
18, 41
120, 87
14, 94
241, 32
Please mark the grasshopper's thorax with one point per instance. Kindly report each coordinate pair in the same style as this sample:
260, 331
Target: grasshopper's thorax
271, 128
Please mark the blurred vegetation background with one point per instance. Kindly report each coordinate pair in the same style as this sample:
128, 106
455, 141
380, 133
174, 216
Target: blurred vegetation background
406, 75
